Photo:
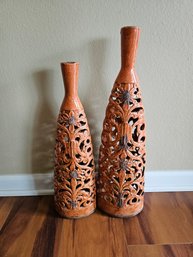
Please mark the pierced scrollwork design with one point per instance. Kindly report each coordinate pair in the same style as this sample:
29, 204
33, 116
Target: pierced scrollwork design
74, 176
122, 152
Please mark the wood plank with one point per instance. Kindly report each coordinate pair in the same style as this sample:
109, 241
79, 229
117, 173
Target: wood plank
6, 205
19, 234
87, 237
186, 207
118, 242
181, 250
44, 234
176, 250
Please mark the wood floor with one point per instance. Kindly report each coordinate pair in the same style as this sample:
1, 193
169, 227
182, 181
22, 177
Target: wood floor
30, 227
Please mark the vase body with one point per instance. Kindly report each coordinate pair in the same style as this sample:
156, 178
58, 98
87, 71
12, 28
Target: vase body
74, 175
122, 151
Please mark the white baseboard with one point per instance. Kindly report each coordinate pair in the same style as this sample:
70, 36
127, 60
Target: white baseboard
169, 181
26, 184
42, 184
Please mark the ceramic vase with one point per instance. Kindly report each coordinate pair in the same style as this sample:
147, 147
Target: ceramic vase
122, 151
74, 175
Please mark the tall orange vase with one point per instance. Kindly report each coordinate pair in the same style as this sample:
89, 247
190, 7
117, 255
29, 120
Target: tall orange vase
74, 176
122, 152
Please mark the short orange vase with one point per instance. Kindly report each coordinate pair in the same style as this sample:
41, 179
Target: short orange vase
122, 152
74, 175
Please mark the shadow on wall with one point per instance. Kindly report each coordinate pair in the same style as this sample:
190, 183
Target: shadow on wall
44, 129
96, 93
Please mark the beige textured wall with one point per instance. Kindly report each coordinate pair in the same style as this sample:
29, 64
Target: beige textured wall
35, 36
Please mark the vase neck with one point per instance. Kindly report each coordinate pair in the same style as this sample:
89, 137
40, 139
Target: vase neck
129, 44
70, 78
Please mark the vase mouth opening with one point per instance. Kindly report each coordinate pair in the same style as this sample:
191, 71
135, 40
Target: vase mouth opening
129, 28
69, 63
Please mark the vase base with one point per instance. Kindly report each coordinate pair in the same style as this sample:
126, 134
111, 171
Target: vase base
124, 212
76, 214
